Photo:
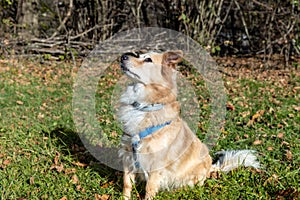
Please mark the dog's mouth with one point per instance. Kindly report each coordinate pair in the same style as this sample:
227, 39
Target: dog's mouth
123, 67
129, 73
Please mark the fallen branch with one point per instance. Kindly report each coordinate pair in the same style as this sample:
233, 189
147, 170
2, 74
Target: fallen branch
48, 51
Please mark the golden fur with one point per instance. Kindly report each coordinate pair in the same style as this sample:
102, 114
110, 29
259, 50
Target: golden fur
172, 156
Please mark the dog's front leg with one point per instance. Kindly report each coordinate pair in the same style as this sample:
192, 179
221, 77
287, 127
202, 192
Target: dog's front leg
128, 180
153, 185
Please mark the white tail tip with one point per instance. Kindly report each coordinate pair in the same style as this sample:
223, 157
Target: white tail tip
230, 160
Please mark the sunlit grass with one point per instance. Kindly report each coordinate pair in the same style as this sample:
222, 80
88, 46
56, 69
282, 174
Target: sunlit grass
42, 157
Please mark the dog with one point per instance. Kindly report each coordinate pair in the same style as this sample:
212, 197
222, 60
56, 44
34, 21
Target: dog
157, 144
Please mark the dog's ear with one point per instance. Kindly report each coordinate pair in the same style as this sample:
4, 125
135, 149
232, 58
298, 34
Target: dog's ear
171, 58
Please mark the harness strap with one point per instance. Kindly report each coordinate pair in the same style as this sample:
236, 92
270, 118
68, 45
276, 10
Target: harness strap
136, 141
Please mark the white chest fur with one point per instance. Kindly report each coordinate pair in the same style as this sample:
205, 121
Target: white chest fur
128, 114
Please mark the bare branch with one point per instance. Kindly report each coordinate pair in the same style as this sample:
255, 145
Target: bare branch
62, 24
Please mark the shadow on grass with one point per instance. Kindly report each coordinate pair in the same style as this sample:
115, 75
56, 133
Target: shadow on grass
71, 144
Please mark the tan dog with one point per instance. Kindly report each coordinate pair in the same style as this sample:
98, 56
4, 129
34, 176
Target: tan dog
157, 144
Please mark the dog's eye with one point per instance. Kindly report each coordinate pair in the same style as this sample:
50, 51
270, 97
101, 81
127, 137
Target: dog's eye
148, 60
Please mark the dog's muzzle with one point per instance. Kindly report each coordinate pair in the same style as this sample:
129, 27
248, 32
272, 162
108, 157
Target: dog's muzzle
124, 60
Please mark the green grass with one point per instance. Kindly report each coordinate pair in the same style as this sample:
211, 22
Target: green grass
42, 157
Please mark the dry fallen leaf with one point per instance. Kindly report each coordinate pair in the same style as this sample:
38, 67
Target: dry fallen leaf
289, 155
75, 179
257, 142
102, 197
40, 116
31, 180
215, 175
270, 148
19, 102
230, 106
50, 89
6, 162
297, 108
79, 164
59, 168
56, 159
285, 143
78, 187
114, 134
257, 115
70, 170
105, 185
280, 135
64, 198
245, 114
271, 179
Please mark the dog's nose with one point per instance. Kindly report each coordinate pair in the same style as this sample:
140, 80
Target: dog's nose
124, 57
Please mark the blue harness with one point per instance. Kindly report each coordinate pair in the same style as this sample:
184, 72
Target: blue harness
135, 143
142, 135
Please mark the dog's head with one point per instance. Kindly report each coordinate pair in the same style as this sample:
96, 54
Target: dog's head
152, 68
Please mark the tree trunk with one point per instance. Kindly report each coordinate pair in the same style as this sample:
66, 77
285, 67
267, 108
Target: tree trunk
28, 19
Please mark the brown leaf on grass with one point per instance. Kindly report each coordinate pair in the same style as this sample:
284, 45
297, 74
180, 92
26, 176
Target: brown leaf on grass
280, 135
297, 108
258, 114
284, 143
2, 155
254, 118
75, 179
31, 181
280, 126
102, 197
114, 134
270, 148
56, 165
4, 164
56, 158
271, 179
250, 122
296, 88
70, 170
245, 114
59, 168
215, 175
230, 106
289, 193
20, 102
289, 155
64, 198
79, 164
41, 116
50, 89
78, 187
107, 184
257, 142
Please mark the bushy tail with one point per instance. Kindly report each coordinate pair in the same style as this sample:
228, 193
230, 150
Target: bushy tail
229, 160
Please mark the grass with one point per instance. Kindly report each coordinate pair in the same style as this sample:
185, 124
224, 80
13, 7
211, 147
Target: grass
42, 157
